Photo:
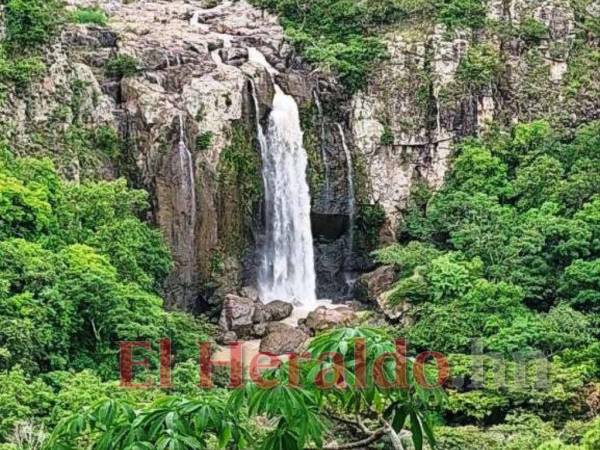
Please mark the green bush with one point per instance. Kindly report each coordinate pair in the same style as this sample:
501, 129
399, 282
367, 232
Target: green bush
532, 30
94, 16
462, 13
387, 137
369, 220
19, 71
21, 398
204, 141
338, 35
479, 67
122, 66
30, 23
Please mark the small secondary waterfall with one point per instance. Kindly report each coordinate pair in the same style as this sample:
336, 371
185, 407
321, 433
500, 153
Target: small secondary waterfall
186, 194
194, 21
350, 181
287, 269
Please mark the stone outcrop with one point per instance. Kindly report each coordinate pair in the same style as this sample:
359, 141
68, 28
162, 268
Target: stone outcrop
191, 63
283, 339
324, 318
239, 316
248, 318
406, 123
275, 311
371, 285
374, 287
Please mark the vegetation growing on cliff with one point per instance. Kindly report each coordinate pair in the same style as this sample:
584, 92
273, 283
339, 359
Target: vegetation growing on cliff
507, 254
28, 25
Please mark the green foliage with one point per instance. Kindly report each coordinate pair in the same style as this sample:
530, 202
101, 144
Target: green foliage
503, 260
479, 67
387, 138
338, 35
122, 66
297, 416
21, 399
369, 220
462, 13
20, 71
78, 272
30, 23
94, 16
204, 141
580, 285
532, 30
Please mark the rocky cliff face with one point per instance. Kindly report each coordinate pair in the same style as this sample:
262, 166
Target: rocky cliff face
420, 102
173, 79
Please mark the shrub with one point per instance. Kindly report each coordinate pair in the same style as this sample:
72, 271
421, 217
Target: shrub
20, 71
387, 137
122, 66
479, 67
462, 14
94, 16
30, 23
532, 31
204, 140
369, 220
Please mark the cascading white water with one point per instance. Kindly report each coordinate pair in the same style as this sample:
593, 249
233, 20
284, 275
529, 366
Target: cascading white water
287, 269
350, 181
186, 190
195, 20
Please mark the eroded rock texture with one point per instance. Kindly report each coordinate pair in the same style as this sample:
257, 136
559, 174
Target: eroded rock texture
167, 74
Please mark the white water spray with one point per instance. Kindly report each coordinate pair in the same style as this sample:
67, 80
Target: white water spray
195, 20
287, 269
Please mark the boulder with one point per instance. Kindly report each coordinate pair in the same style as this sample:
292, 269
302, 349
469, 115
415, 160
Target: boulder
371, 285
276, 327
324, 318
226, 338
277, 310
283, 340
238, 315
249, 292
259, 329
400, 312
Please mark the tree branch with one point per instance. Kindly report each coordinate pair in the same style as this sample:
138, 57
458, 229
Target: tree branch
377, 434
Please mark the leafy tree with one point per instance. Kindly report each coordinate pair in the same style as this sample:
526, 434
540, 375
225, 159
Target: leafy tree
298, 414
20, 399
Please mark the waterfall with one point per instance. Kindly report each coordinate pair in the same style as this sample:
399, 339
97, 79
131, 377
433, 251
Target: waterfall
287, 269
323, 151
350, 181
194, 21
186, 194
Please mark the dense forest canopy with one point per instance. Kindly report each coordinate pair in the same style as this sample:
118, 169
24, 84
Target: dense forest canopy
499, 267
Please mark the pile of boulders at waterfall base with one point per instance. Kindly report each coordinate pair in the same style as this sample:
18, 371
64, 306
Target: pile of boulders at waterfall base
244, 318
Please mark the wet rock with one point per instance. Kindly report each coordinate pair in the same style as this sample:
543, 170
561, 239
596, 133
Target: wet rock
259, 330
249, 292
324, 318
277, 310
276, 327
226, 338
283, 340
371, 285
238, 315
